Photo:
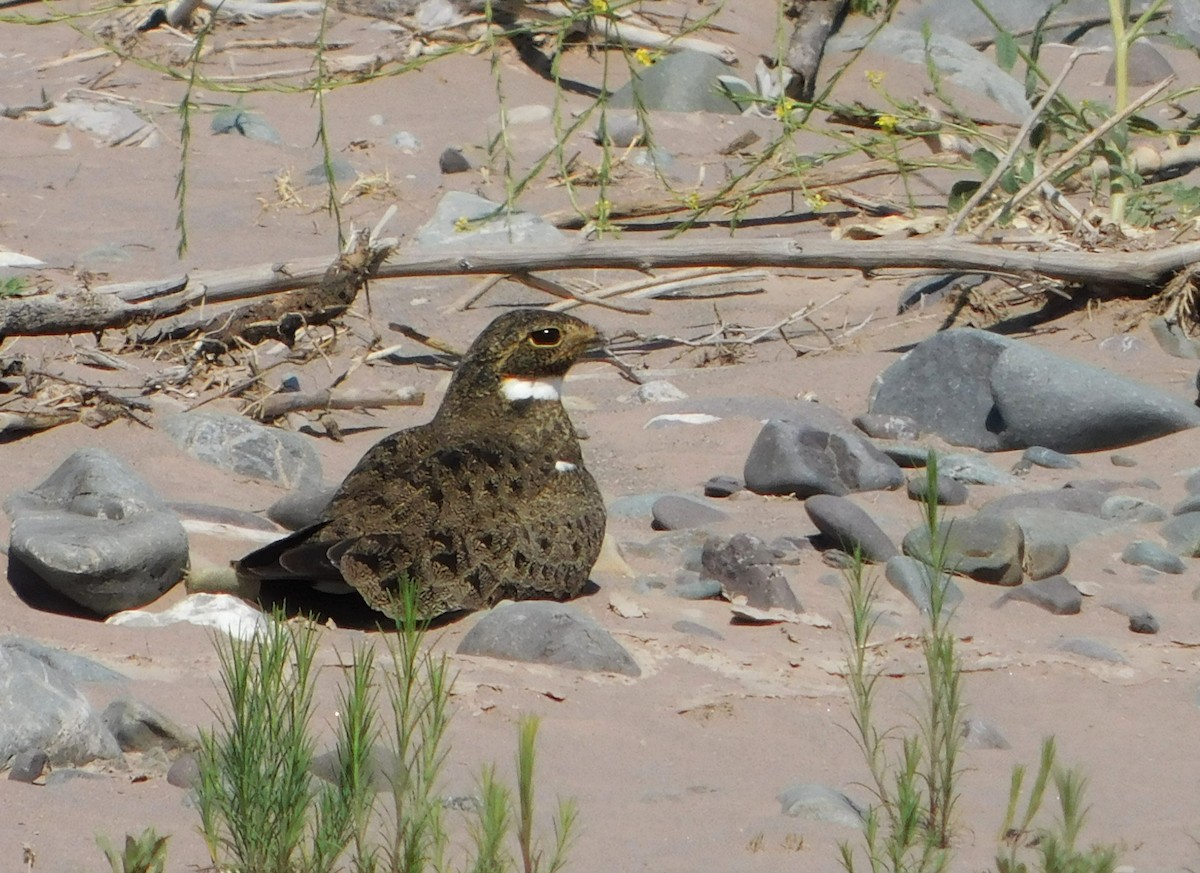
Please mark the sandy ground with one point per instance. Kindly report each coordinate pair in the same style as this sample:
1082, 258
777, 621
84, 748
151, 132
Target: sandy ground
677, 770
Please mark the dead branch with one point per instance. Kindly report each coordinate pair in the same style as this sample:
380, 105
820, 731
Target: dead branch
99, 309
278, 405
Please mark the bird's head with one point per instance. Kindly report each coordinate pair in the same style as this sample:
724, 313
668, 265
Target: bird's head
523, 355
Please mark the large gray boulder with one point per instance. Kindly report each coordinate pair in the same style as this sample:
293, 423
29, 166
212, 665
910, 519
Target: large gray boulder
94, 532
977, 389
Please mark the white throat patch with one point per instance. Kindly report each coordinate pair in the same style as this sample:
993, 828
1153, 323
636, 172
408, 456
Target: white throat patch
514, 388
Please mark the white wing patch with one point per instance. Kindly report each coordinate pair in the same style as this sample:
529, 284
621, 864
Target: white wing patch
514, 388
565, 467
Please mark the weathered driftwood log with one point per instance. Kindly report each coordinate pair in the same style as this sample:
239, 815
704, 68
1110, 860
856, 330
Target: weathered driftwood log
1133, 272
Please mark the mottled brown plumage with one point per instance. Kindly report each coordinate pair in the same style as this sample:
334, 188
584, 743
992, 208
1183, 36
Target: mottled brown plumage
489, 500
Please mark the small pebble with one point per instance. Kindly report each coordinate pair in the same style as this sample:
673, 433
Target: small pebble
1044, 457
28, 766
723, 486
1123, 461
452, 161
1143, 553
184, 772
1143, 623
950, 492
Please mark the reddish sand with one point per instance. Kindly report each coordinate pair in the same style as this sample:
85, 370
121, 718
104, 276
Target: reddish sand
677, 770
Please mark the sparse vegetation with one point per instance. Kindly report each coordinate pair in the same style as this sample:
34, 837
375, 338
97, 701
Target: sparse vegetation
146, 853
262, 809
914, 775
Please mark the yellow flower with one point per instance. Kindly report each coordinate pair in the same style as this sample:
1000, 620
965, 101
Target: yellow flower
645, 57
815, 201
875, 78
785, 107
692, 200
601, 7
462, 224
887, 123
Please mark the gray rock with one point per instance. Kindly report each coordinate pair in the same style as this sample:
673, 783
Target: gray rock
1125, 507
487, 225
972, 470
634, 506
791, 457
695, 587
452, 161
684, 81
243, 122
1143, 553
342, 170
745, 566
1143, 623
1078, 500
140, 728
543, 632
1056, 595
696, 630
1182, 534
1045, 558
405, 141
977, 389
988, 548
679, 548
1044, 457
950, 492
1119, 460
979, 734
41, 709
956, 59
723, 486
1191, 503
1147, 66
1045, 399
888, 427
246, 448
914, 580
28, 765
821, 803
1173, 340
619, 129
907, 455
77, 668
1192, 483
673, 512
1093, 649
301, 507
943, 384
221, 515
849, 527
97, 534
106, 123
184, 772
962, 19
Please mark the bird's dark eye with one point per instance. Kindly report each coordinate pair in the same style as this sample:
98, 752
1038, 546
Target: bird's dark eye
546, 337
